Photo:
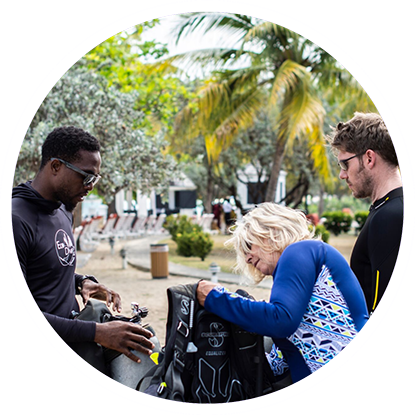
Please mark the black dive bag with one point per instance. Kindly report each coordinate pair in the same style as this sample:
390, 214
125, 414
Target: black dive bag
206, 359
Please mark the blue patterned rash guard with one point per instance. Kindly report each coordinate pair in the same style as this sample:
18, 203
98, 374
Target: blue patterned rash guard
316, 308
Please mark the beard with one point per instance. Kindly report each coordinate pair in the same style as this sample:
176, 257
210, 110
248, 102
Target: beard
70, 207
364, 185
65, 198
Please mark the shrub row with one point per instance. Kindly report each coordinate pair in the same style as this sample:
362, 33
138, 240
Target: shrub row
340, 221
192, 241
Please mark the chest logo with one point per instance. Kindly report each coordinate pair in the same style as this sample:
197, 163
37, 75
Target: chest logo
217, 334
65, 249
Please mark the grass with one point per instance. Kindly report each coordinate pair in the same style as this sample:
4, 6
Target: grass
225, 258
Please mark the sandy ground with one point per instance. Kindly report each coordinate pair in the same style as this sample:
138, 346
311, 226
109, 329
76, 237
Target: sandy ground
137, 286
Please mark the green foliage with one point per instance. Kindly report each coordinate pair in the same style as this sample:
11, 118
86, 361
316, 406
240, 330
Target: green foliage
131, 158
321, 231
348, 201
127, 62
254, 147
190, 238
126, 102
282, 73
185, 244
360, 217
197, 243
202, 245
171, 225
337, 222
178, 225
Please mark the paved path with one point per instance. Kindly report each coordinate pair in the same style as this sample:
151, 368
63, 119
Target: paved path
138, 255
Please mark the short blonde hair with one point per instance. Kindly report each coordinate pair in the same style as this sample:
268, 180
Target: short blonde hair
270, 226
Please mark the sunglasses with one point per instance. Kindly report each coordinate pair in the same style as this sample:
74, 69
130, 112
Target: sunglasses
343, 164
89, 178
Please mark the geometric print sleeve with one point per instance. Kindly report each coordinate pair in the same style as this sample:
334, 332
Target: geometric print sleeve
327, 326
325, 330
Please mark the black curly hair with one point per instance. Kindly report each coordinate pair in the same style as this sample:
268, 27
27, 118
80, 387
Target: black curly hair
66, 142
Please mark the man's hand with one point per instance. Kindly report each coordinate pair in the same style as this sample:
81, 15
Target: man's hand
91, 289
124, 337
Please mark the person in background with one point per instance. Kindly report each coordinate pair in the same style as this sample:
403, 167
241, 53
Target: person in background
227, 210
217, 212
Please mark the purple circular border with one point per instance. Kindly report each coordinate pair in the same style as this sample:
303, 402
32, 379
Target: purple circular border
67, 62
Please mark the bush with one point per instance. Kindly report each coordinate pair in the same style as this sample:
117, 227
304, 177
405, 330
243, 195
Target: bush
337, 222
184, 244
360, 217
202, 245
180, 224
320, 230
190, 238
198, 244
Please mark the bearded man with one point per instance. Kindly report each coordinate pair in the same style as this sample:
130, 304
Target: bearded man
369, 165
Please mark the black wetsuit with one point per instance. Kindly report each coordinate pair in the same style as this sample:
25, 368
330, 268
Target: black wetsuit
46, 251
376, 249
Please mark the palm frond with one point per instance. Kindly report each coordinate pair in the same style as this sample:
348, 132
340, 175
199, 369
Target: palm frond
301, 110
235, 25
244, 111
213, 148
318, 152
286, 78
265, 29
214, 98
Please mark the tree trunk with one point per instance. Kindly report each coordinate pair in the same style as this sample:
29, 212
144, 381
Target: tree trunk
275, 170
321, 202
209, 190
111, 207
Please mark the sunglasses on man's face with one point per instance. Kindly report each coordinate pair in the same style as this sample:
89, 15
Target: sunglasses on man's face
344, 165
89, 178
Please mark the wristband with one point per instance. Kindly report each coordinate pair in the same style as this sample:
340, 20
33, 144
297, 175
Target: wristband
82, 279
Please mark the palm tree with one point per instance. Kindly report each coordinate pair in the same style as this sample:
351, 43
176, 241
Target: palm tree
273, 68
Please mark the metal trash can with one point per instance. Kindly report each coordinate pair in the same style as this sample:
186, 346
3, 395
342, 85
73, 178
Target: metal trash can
159, 260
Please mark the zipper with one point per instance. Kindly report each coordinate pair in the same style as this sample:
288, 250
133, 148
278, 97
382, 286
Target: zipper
191, 347
378, 206
376, 290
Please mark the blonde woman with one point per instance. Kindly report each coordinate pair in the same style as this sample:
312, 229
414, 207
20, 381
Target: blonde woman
316, 305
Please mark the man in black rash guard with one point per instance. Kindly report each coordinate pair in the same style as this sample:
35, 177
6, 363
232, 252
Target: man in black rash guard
369, 164
42, 228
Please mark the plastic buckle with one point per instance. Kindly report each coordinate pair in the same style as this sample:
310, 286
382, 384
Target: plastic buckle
161, 388
177, 362
183, 329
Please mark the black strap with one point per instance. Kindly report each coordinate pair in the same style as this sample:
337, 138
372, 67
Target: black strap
184, 334
175, 383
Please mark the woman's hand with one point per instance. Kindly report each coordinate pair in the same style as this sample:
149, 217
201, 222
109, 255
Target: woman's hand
91, 289
203, 289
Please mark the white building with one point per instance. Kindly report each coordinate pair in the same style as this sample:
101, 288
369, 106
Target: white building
181, 199
250, 176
